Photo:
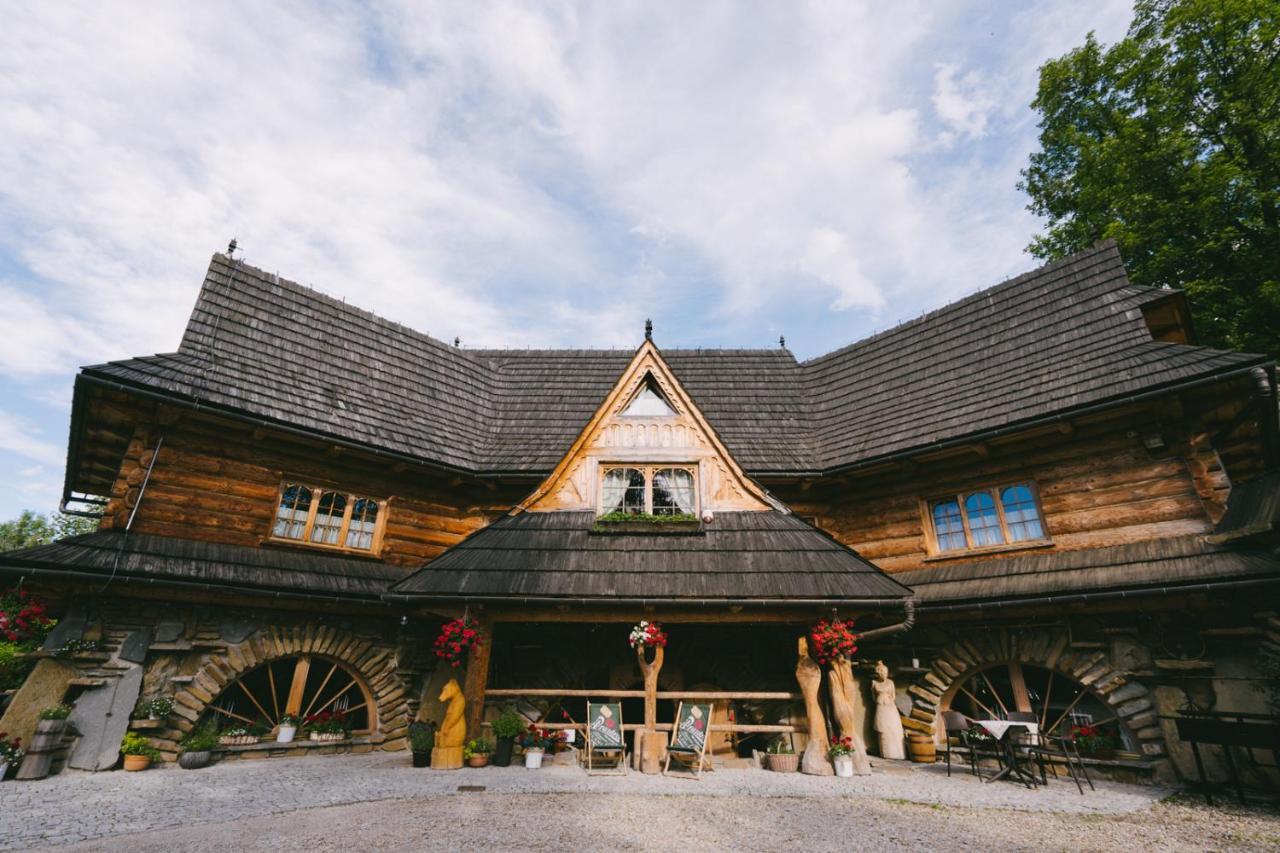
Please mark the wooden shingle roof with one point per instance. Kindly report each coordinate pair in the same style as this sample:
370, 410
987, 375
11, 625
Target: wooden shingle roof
742, 557
1164, 564
1067, 335
143, 558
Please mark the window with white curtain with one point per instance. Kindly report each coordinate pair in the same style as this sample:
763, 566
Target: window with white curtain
651, 489
327, 518
986, 518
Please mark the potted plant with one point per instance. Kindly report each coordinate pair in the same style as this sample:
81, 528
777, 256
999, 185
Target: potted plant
288, 728
237, 736
422, 739
476, 752
138, 752
456, 639
327, 726
536, 742
196, 749
157, 708
841, 755
1091, 741
53, 722
10, 753
782, 756
506, 729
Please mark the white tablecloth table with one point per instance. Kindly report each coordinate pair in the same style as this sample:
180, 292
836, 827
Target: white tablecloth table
997, 728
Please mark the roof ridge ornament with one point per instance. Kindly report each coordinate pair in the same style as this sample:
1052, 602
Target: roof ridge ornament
648, 330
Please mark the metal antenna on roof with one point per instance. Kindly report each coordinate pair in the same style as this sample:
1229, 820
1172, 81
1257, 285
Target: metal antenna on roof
457, 342
231, 248
648, 330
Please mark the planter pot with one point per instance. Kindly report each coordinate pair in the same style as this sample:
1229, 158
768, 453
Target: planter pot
134, 763
327, 737
478, 761
784, 762
844, 766
237, 740
4, 768
286, 733
502, 753
48, 735
195, 760
422, 759
1105, 753
533, 758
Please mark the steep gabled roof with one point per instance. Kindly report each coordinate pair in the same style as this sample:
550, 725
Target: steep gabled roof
1067, 335
1064, 336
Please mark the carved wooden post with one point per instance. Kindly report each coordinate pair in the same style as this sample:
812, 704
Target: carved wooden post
809, 675
847, 702
478, 675
648, 745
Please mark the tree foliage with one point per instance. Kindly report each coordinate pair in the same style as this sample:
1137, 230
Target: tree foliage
1169, 143
31, 529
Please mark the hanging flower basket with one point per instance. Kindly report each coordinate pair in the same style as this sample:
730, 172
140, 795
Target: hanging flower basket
831, 641
648, 635
456, 639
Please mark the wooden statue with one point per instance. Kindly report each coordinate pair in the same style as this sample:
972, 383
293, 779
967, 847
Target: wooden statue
809, 675
849, 711
447, 754
650, 747
888, 721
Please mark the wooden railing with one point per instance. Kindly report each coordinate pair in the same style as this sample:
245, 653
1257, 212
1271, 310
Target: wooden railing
653, 725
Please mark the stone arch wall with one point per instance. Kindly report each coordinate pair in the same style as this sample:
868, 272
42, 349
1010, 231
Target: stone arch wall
373, 663
1132, 702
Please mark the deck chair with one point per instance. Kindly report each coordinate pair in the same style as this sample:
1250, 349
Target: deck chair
689, 738
606, 745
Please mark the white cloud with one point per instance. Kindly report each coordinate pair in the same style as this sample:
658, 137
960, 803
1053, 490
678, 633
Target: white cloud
19, 437
964, 103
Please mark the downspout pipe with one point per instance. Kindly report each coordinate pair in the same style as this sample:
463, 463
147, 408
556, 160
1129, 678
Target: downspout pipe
908, 621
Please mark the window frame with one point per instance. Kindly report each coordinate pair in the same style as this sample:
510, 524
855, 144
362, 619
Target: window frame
648, 470
936, 552
317, 492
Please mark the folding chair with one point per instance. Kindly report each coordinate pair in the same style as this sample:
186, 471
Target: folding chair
689, 737
1041, 746
957, 726
606, 747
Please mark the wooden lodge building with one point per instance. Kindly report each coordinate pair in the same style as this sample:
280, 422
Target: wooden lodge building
1044, 497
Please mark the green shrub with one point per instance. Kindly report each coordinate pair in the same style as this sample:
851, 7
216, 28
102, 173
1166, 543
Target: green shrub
136, 744
201, 739
56, 712
422, 737
509, 724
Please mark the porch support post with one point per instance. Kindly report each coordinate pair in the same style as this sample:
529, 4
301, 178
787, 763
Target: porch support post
648, 746
478, 675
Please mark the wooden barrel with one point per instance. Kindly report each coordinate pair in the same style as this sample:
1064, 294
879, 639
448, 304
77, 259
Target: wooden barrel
921, 748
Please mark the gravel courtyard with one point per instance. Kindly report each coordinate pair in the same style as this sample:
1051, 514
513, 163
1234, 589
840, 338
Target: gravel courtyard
378, 802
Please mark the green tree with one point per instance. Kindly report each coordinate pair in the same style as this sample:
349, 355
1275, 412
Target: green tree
31, 529
1169, 142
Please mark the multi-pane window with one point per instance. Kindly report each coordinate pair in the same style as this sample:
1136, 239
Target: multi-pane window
986, 518
327, 518
634, 490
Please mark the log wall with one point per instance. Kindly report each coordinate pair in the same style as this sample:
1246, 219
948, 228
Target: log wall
218, 480
1099, 485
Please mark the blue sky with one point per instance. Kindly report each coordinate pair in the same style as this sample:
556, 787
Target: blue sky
512, 174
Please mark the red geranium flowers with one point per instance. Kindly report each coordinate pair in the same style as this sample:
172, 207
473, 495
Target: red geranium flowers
832, 641
455, 640
23, 617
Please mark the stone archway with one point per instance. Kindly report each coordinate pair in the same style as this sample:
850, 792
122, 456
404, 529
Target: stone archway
1129, 700
374, 664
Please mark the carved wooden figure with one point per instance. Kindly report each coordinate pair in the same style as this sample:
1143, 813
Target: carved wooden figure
809, 675
849, 711
888, 720
447, 754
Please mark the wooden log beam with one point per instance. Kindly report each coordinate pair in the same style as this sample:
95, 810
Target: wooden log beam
478, 675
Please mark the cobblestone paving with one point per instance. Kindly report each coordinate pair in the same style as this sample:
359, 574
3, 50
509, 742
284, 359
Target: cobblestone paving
78, 807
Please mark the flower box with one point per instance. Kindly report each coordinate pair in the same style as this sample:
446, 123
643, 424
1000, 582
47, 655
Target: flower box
327, 737
237, 740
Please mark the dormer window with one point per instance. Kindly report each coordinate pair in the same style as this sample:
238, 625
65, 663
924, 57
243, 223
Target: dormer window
327, 518
648, 490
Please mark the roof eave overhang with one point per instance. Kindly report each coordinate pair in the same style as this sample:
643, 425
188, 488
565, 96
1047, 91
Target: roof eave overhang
602, 601
981, 605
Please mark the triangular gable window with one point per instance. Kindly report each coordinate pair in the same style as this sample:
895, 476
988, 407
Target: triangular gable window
649, 402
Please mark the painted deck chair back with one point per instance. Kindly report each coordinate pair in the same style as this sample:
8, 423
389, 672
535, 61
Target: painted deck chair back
689, 737
606, 745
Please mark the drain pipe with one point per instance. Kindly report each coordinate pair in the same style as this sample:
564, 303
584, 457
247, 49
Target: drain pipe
908, 621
